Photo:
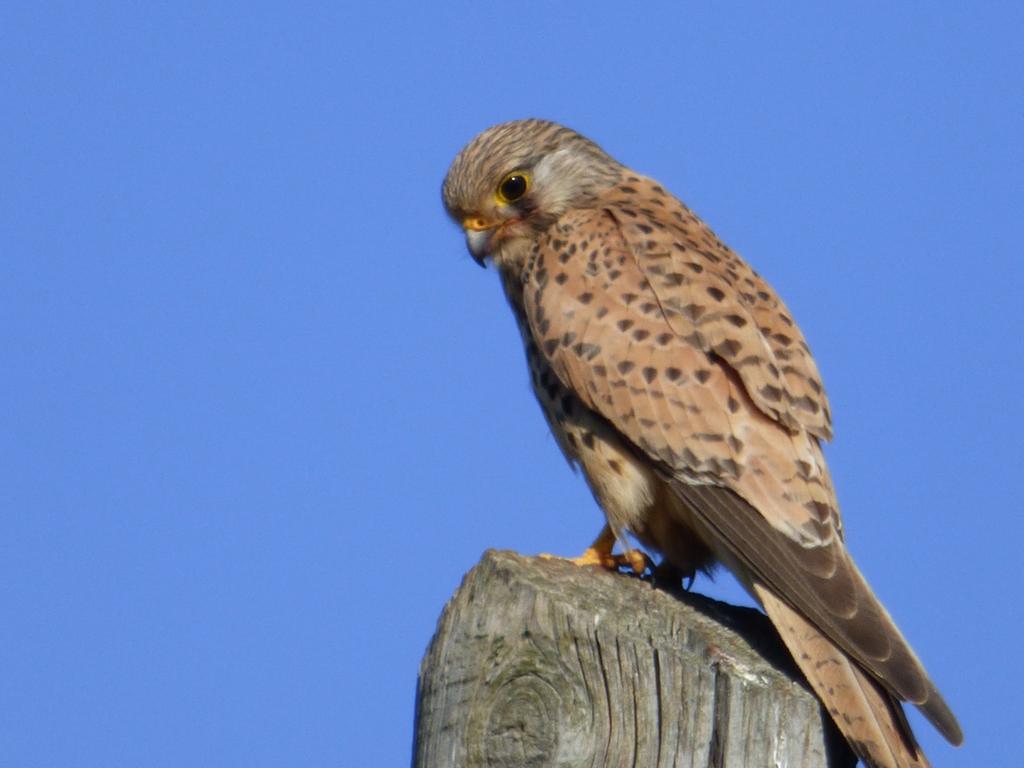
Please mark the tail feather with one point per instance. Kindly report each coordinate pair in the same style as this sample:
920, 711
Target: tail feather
868, 716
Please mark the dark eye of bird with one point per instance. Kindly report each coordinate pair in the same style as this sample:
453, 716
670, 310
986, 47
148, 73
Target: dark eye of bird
513, 187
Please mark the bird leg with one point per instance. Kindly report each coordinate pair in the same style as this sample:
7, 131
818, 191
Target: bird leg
600, 553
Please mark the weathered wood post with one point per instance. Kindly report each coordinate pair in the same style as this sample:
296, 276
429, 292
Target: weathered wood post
542, 663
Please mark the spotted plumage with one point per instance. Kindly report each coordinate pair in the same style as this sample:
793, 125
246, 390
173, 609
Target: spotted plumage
672, 374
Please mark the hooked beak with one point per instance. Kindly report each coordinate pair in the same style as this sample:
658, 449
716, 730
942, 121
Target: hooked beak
478, 236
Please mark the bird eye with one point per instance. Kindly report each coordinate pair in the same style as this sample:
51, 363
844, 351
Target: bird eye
513, 187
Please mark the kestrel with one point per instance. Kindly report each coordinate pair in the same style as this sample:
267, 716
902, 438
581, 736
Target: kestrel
672, 374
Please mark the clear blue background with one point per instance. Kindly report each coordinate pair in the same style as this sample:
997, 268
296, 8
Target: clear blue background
259, 411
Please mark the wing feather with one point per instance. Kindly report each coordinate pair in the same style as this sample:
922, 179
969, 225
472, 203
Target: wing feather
752, 471
712, 297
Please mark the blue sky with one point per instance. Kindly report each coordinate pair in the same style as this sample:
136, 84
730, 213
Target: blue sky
261, 411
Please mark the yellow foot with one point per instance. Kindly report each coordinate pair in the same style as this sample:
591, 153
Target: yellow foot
633, 560
600, 553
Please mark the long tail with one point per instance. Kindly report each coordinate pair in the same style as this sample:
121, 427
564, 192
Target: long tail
868, 716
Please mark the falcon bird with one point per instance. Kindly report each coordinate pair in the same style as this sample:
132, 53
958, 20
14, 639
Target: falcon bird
672, 374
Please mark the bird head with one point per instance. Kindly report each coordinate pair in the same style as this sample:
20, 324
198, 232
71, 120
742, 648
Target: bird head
515, 179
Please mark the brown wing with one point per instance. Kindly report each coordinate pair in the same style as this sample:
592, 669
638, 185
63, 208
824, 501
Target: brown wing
712, 297
624, 340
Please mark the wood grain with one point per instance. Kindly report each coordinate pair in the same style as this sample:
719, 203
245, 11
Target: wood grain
539, 662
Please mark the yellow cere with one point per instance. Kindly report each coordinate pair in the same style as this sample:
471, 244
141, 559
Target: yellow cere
477, 224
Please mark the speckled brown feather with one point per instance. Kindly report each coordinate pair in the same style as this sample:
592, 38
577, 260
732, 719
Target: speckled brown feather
605, 330
875, 725
647, 359
712, 298
673, 374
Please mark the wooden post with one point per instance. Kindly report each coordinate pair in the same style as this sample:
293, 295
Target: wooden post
542, 663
